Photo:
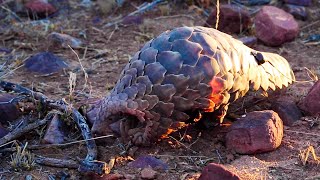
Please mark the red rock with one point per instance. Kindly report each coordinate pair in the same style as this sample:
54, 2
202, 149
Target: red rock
232, 19
259, 131
9, 111
274, 26
215, 171
299, 2
40, 7
287, 110
311, 103
54, 133
148, 173
148, 161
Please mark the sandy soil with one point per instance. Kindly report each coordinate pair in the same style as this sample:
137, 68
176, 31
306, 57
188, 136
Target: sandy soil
187, 156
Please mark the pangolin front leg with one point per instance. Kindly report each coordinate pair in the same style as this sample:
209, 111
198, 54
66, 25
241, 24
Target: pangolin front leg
183, 71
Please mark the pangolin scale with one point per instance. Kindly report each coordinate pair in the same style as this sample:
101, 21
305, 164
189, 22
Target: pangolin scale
183, 70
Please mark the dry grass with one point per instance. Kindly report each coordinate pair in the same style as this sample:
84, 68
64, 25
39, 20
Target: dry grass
22, 159
304, 156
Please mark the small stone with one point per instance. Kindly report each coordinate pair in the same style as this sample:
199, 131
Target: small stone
148, 173
249, 41
257, 132
55, 133
253, 2
40, 7
274, 26
311, 103
232, 19
299, 2
28, 177
9, 110
63, 40
3, 131
287, 110
132, 20
148, 161
132, 151
105, 7
299, 12
215, 171
45, 63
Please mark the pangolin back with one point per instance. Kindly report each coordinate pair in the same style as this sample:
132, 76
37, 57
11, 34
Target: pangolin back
183, 70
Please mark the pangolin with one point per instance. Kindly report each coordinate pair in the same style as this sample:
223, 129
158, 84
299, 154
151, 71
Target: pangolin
185, 70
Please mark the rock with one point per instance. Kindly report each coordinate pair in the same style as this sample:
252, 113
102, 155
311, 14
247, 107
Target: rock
215, 171
299, 12
311, 103
115, 176
28, 177
45, 63
287, 110
148, 173
299, 2
250, 41
3, 131
135, 19
253, 2
63, 40
106, 7
274, 26
232, 19
9, 111
40, 7
148, 161
55, 133
259, 131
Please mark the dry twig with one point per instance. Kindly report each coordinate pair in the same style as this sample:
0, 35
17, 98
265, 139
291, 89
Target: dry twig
89, 164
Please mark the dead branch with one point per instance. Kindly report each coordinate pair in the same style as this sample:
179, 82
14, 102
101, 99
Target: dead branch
57, 162
88, 164
20, 131
141, 9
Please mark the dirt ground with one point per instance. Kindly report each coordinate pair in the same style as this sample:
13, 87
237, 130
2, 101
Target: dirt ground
107, 50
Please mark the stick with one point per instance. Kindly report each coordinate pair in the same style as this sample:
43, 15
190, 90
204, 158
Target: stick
141, 9
21, 131
57, 162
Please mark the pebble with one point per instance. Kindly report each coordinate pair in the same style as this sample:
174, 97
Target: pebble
148, 161
311, 103
298, 12
63, 40
215, 171
274, 26
287, 110
148, 173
